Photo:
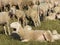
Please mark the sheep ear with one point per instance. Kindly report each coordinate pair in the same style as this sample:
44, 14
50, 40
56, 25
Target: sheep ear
10, 14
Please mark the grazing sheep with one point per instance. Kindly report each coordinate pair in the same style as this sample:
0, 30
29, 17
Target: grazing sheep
58, 16
4, 4
51, 16
33, 13
21, 15
57, 9
4, 18
44, 7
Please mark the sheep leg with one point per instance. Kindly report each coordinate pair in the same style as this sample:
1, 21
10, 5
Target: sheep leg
4, 8
23, 21
10, 6
35, 24
8, 28
26, 21
13, 17
18, 20
39, 23
5, 30
1, 9
39, 19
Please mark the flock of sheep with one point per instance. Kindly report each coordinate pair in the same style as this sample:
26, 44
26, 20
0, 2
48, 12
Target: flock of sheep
29, 11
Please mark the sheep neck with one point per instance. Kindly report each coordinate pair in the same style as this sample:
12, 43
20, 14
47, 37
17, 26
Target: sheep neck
21, 31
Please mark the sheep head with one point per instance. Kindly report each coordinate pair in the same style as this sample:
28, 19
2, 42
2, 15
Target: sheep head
16, 25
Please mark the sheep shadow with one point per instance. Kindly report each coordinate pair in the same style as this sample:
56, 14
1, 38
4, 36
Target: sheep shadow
15, 36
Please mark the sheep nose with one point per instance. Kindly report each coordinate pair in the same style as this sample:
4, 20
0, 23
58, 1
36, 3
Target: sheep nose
14, 29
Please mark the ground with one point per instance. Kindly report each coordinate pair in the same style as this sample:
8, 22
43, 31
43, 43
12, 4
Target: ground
46, 25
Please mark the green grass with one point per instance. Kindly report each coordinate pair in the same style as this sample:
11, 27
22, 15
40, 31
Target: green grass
45, 25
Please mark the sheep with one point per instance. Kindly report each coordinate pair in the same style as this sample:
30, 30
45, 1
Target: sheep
4, 18
51, 16
11, 3
57, 9
4, 4
58, 16
33, 13
19, 14
35, 18
43, 8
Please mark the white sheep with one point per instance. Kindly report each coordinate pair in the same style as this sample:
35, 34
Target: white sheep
5, 18
34, 14
51, 16
4, 3
43, 8
19, 14
58, 16
57, 9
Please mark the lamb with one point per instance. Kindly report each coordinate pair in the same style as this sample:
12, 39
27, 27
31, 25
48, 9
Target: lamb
4, 18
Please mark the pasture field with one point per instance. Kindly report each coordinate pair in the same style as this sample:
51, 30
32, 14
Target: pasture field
45, 25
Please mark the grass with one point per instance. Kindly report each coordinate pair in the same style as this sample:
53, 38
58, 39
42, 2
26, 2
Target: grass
45, 25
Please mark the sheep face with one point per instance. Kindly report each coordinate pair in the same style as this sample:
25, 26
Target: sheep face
15, 25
